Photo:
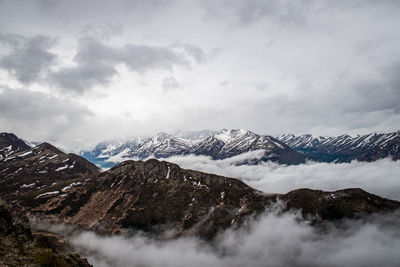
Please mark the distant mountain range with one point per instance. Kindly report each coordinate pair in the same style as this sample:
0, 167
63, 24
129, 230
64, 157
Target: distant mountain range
285, 149
345, 148
217, 145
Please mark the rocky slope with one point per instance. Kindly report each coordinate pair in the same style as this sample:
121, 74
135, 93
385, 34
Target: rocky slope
20, 246
9, 144
345, 148
159, 197
43, 169
221, 145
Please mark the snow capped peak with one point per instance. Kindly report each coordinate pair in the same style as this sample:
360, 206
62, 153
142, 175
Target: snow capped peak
194, 135
224, 144
345, 147
226, 135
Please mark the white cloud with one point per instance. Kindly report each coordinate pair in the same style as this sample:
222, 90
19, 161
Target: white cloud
272, 240
380, 177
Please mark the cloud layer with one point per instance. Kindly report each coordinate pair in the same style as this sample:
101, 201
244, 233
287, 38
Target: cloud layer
272, 240
379, 177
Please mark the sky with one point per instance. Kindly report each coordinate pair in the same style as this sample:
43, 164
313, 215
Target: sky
75, 73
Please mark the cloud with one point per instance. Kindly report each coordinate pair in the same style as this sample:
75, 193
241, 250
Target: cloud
245, 13
272, 240
379, 177
96, 62
29, 59
101, 31
170, 83
288, 66
33, 114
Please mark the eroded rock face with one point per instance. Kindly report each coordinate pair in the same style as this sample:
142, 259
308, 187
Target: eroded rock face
161, 198
20, 247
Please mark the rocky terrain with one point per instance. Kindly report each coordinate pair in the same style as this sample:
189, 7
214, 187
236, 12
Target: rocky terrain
20, 246
152, 196
221, 145
10, 143
345, 148
35, 171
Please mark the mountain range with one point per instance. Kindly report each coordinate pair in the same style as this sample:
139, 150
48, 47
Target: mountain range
53, 186
156, 197
345, 148
285, 149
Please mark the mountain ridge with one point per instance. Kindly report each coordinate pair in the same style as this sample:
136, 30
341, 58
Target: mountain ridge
220, 145
157, 197
345, 148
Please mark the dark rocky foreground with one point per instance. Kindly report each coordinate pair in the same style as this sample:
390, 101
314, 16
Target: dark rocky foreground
20, 246
152, 196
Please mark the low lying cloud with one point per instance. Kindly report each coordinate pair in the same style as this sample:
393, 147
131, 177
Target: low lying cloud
272, 240
380, 177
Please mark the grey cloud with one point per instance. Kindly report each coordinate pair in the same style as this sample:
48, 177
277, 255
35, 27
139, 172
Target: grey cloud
81, 78
384, 93
287, 12
93, 10
96, 63
261, 86
29, 58
11, 40
170, 83
196, 52
39, 115
141, 58
244, 13
101, 31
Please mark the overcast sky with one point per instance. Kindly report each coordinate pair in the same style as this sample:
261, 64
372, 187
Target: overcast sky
78, 72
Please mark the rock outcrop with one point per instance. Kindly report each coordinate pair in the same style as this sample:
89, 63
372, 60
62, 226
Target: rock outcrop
19, 246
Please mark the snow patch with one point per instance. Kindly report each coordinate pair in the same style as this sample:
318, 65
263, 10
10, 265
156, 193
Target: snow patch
48, 193
62, 168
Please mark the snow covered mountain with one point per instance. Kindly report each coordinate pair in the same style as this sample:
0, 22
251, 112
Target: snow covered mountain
345, 148
221, 145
